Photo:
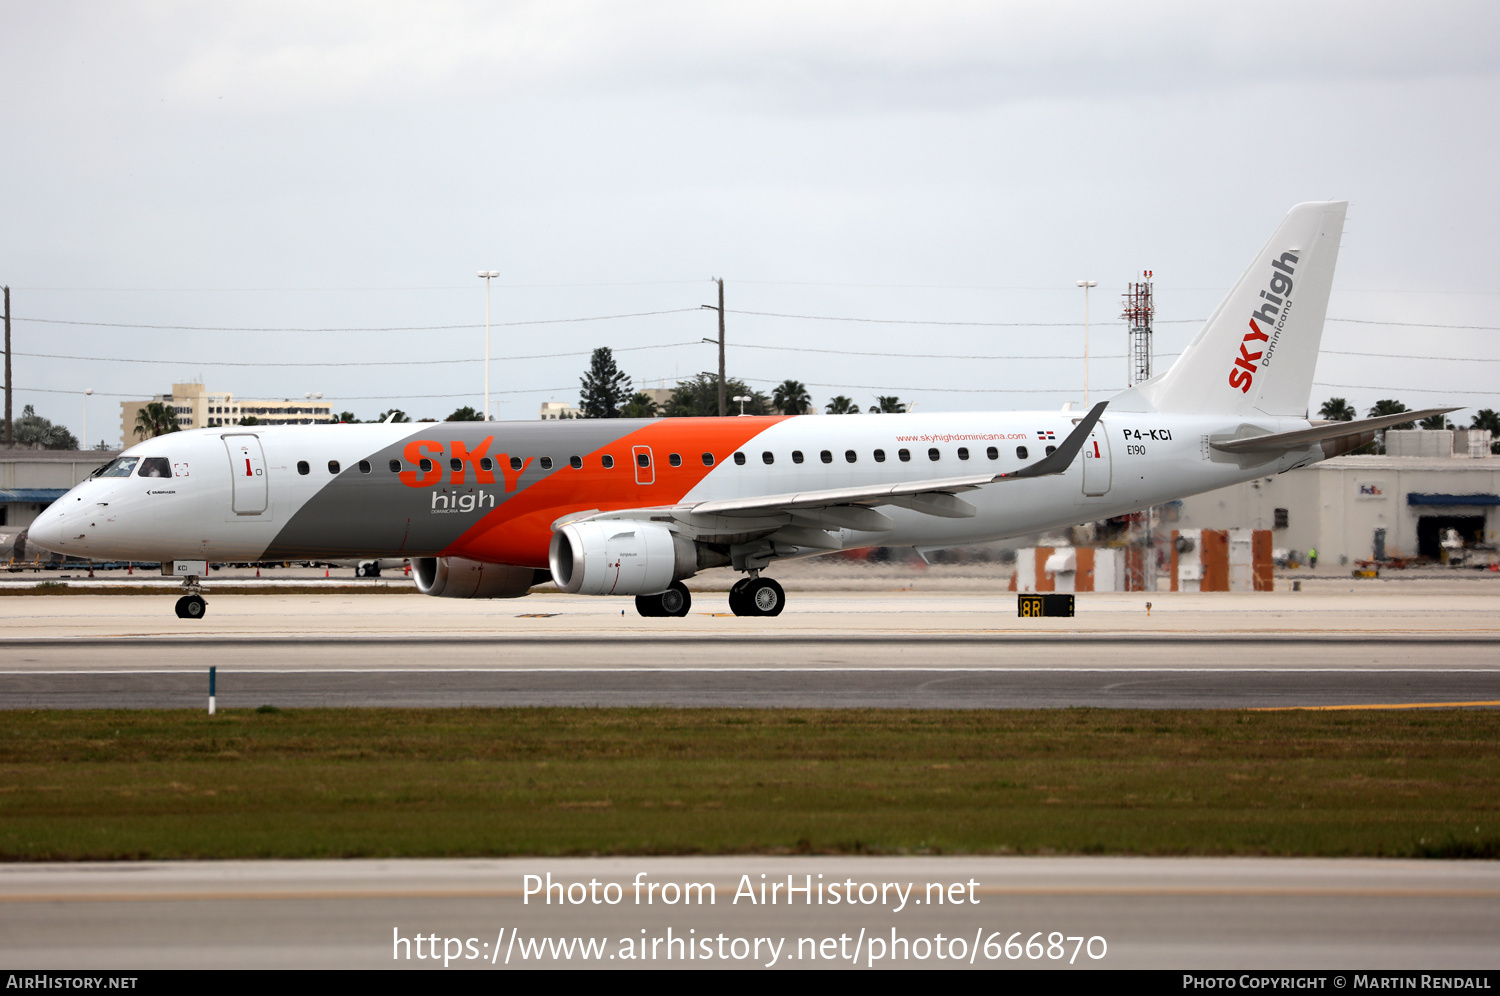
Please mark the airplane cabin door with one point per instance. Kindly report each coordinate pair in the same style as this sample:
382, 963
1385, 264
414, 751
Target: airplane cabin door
645, 472
247, 472
1096, 463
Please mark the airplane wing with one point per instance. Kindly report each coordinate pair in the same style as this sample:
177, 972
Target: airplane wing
1055, 462
1282, 441
805, 517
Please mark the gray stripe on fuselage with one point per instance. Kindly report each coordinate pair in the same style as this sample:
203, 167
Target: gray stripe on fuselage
375, 515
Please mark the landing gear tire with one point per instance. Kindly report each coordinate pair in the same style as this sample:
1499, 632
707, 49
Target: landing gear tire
675, 601
191, 607
757, 597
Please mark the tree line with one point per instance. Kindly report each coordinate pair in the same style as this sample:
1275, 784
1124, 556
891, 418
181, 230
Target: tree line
606, 392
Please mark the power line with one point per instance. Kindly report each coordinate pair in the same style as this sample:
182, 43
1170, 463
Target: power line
341, 363
388, 328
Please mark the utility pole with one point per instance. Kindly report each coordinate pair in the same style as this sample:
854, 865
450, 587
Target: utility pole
1086, 284
723, 407
10, 433
723, 401
487, 276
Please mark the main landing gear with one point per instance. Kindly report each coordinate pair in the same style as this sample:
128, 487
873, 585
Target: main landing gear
756, 596
675, 601
191, 605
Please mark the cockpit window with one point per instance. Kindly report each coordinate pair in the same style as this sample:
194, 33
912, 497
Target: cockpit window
118, 467
156, 467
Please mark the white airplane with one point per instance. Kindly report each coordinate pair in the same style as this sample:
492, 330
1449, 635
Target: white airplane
634, 507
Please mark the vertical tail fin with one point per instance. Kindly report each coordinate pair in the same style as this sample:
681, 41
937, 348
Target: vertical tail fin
1256, 355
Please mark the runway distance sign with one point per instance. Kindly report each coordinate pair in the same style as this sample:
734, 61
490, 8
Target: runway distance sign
1033, 606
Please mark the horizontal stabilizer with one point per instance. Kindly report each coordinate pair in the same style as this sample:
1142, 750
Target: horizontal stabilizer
1277, 442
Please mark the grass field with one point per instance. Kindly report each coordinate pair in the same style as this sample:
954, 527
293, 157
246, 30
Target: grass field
331, 783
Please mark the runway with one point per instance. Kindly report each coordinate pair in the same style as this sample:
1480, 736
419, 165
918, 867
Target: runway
1175, 913
1387, 646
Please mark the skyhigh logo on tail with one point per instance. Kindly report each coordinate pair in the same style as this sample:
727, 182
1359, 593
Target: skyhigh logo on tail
1272, 314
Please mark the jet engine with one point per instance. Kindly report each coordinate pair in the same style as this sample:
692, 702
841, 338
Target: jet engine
620, 557
455, 577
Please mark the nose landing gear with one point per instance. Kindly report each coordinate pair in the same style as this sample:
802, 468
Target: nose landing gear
192, 605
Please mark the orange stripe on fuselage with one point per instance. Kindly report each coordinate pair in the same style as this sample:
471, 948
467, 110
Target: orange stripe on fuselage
519, 531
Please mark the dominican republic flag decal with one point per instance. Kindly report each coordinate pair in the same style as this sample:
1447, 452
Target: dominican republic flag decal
1046, 434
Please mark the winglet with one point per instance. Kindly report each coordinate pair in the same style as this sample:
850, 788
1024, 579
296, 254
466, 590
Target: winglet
1060, 459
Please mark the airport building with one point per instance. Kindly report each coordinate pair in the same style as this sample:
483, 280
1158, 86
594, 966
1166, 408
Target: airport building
196, 407
1360, 508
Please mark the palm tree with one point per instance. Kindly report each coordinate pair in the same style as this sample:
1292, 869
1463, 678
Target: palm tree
1390, 406
887, 404
1435, 422
841, 405
400, 416
155, 418
465, 414
1337, 410
791, 398
640, 405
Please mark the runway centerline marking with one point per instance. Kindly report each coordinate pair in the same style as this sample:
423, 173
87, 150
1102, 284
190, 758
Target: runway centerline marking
630, 669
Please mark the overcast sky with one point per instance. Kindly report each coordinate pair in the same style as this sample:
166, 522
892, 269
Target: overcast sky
294, 165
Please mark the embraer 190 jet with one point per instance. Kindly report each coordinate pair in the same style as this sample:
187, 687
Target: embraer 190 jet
635, 507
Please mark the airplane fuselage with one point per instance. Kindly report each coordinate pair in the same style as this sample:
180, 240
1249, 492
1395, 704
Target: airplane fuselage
493, 491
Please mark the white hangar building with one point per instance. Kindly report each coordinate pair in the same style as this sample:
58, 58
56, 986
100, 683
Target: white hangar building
1353, 508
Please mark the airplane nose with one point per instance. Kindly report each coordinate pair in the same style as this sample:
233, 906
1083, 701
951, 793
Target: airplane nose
47, 531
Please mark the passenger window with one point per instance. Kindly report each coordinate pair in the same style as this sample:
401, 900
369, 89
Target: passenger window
303, 468
425, 464
607, 460
708, 459
119, 467
796, 456
880, 456
576, 462
675, 459
156, 467
850, 456
963, 453
643, 459
739, 459
333, 466
515, 463
364, 467
546, 463
454, 463
992, 453
768, 457
395, 466
485, 463
933, 454
826, 457
1022, 453
904, 455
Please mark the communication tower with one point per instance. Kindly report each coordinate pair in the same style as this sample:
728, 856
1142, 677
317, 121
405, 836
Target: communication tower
1139, 308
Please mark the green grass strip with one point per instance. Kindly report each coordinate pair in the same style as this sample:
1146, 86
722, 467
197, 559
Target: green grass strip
131, 784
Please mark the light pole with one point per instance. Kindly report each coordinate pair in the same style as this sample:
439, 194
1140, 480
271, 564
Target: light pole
487, 276
86, 392
1086, 284
742, 398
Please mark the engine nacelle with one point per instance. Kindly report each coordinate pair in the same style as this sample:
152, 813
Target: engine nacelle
455, 577
620, 557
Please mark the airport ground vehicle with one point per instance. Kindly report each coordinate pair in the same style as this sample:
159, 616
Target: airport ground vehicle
634, 507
